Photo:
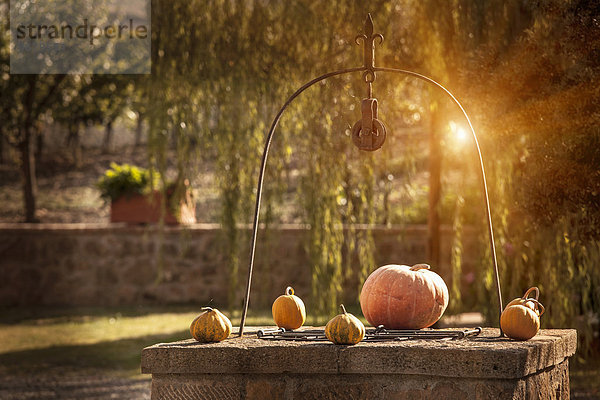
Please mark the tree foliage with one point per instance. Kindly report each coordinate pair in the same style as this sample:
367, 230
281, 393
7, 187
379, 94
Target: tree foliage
29, 102
527, 73
222, 68
225, 71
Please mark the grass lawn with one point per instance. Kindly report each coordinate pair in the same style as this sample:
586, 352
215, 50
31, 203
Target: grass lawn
97, 338
109, 341
104, 339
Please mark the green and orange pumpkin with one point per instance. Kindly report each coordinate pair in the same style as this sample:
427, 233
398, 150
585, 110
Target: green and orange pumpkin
210, 326
345, 328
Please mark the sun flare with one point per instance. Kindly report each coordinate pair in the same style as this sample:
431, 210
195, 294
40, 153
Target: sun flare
458, 134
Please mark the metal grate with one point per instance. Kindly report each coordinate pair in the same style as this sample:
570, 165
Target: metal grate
379, 334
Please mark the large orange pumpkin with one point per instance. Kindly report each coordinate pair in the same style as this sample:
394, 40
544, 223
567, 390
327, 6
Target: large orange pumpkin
403, 297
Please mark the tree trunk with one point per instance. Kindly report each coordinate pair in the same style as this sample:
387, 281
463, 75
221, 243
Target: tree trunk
28, 169
1, 145
74, 144
39, 144
69, 137
435, 168
108, 132
386, 207
27, 154
138, 129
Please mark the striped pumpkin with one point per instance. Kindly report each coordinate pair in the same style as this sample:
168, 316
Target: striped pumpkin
210, 326
345, 328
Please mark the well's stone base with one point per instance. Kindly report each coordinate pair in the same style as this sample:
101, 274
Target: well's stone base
550, 384
482, 368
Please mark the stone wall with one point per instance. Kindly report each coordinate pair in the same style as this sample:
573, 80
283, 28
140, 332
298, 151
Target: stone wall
104, 265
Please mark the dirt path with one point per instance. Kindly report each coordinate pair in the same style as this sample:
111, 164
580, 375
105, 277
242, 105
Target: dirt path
54, 385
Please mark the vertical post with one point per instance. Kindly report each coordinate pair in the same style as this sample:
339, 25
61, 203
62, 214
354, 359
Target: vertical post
435, 168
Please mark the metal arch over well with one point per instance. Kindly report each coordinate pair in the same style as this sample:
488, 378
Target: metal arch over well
368, 134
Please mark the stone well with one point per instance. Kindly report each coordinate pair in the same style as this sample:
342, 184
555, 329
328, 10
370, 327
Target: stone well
482, 367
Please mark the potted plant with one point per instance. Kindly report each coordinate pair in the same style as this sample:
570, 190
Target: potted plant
134, 199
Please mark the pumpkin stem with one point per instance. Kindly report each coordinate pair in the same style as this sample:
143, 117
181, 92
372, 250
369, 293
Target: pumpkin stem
417, 267
532, 289
343, 309
289, 291
539, 305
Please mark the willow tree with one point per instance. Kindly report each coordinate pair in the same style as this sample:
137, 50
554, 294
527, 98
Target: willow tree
213, 67
527, 73
222, 69
554, 185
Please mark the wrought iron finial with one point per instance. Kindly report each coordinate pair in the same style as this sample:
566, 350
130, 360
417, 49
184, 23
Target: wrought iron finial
368, 39
369, 133
369, 25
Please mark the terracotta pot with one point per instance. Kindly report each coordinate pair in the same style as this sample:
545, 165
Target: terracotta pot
140, 209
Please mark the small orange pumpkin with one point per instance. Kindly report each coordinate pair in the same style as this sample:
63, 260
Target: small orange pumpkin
288, 310
520, 319
210, 326
345, 328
